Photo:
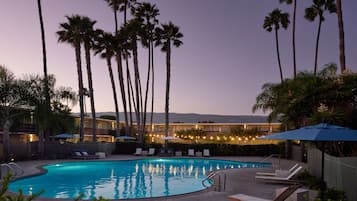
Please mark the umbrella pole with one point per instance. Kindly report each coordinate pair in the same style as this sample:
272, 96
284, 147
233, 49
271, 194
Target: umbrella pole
322, 171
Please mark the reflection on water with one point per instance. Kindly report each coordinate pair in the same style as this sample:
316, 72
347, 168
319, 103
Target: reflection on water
124, 179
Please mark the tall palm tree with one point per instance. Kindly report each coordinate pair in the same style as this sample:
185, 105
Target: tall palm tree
341, 35
169, 36
147, 13
317, 9
132, 28
105, 46
70, 32
274, 20
88, 36
121, 46
47, 95
294, 30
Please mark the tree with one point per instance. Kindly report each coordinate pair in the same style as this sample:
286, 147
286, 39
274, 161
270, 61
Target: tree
341, 35
296, 102
70, 32
132, 29
274, 20
88, 37
168, 35
294, 30
317, 9
105, 46
13, 95
147, 13
47, 103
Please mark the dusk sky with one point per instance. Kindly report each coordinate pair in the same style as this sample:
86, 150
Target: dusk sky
225, 59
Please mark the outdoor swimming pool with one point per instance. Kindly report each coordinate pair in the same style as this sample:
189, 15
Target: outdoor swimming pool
125, 179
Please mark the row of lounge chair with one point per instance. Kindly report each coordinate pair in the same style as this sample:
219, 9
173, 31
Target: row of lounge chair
190, 152
140, 152
84, 155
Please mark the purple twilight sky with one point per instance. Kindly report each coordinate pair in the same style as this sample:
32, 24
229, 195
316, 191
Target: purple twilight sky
225, 59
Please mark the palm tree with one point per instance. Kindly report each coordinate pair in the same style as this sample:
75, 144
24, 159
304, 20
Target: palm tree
294, 25
47, 96
147, 13
274, 20
317, 9
114, 4
168, 35
132, 29
70, 32
341, 35
88, 35
105, 46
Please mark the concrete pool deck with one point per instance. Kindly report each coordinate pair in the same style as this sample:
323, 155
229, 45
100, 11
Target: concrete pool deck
237, 180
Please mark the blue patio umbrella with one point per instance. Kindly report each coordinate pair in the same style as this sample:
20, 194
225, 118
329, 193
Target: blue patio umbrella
64, 136
125, 137
318, 133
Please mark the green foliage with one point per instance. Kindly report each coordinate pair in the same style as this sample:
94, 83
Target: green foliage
312, 182
310, 99
275, 20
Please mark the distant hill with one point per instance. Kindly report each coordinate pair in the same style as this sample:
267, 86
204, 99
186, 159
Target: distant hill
195, 118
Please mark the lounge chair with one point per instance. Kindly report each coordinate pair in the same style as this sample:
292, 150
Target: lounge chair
280, 177
281, 197
206, 153
138, 151
191, 152
83, 155
278, 171
151, 152
86, 155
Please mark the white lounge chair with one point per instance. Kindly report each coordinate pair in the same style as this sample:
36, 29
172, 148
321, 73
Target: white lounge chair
191, 152
286, 193
138, 151
151, 152
283, 177
206, 153
278, 171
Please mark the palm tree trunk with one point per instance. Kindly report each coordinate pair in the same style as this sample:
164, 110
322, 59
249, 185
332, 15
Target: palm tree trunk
91, 93
341, 35
6, 141
152, 84
44, 55
137, 91
122, 90
116, 21
109, 64
168, 77
147, 86
294, 46
129, 86
278, 54
317, 45
80, 88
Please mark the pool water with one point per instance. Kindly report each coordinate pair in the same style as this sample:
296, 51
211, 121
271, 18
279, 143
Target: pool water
125, 179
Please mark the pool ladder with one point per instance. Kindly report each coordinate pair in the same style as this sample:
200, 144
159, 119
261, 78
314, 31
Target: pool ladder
211, 180
12, 168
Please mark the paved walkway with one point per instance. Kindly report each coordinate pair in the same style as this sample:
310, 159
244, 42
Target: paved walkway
238, 180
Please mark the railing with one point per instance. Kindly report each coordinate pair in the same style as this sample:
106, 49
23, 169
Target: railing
19, 170
271, 156
12, 168
218, 185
